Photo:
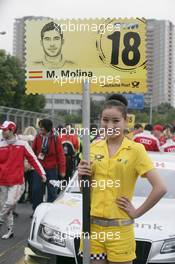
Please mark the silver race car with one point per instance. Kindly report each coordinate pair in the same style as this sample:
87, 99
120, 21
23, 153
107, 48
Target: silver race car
56, 227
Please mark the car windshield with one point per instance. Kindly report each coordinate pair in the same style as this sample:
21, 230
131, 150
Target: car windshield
143, 187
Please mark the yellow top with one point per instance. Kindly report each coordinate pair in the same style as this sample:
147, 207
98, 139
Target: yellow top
115, 176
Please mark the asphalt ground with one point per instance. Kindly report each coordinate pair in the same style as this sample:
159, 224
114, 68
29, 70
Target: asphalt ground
12, 250
15, 250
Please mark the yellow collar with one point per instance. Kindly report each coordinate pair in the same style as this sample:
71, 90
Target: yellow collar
126, 143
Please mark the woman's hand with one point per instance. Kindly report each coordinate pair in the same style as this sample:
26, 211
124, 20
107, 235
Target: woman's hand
84, 169
125, 204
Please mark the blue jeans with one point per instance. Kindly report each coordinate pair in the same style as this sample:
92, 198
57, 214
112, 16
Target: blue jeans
39, 187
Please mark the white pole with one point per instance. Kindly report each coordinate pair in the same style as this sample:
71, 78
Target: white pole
86, 189
151, 112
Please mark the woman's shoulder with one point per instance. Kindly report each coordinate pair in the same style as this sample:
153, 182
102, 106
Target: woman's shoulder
97, 143
137, 147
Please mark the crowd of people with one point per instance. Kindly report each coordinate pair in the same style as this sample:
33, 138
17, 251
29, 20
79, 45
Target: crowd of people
155, 138
58, 156
31, 160
28, 164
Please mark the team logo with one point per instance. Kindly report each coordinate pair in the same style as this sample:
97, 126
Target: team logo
135, 84
99, 157
124, 161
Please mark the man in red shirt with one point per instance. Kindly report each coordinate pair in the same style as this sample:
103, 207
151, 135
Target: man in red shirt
13, 152
48, 149
149, 141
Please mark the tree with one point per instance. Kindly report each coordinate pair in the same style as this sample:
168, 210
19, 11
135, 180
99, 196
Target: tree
142, 117
164, 108
12, 86
33, 102
165, 114
170, 116
95, 108
74, 118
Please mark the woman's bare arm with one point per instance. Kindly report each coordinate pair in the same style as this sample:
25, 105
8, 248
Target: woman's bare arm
158, 190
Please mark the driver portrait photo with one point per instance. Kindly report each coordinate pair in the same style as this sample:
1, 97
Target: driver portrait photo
52, 41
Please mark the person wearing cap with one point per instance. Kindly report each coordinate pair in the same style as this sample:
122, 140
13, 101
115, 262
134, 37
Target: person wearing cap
13, 152
158, 133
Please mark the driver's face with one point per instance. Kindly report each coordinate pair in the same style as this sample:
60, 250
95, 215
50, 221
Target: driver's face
6, 134
52, 43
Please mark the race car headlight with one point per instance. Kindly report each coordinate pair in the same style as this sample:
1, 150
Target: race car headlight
168, 247
52, 236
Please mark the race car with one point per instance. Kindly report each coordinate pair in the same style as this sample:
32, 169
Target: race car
56, 227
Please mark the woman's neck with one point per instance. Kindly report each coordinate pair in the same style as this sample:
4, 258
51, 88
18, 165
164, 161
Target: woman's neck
115, 141
113, 145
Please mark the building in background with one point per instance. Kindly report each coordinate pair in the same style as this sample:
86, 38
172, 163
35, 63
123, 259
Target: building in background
70, 103
160, 65
19, 37
160, 62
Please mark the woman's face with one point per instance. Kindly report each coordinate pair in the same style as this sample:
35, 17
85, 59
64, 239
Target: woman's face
113, 122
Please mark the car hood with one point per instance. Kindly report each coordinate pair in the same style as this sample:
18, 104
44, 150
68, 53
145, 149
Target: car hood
157, 223
65, 214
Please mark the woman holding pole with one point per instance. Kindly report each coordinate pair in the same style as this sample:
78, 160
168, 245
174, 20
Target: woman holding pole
116, 163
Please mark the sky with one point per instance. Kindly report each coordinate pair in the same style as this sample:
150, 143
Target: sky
11, 9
